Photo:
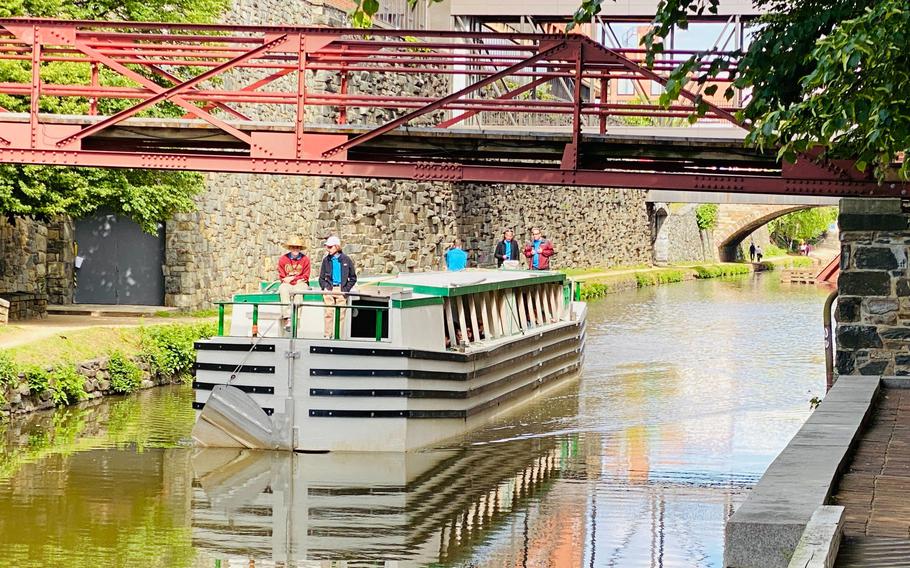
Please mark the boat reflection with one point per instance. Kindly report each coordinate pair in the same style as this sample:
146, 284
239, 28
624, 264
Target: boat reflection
274, 508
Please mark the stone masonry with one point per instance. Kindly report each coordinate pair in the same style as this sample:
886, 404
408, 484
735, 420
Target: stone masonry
873, 306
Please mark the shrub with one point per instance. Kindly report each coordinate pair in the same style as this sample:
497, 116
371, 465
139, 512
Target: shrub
594, 290
169, 348
706, 216
67, 386
9, 371
38, 379
720, 270
125, 375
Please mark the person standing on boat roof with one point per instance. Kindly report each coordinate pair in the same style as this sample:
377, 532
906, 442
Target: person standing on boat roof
294, 274
507, 248
456, 258
336, 275
538, 251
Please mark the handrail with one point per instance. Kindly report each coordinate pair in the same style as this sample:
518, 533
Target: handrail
294, 307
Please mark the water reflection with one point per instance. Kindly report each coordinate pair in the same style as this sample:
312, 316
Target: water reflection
688, 393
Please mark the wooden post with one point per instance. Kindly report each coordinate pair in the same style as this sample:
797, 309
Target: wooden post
462, 323
542, 294
505, 318
472, 307
450, 325
520, 305
487, 328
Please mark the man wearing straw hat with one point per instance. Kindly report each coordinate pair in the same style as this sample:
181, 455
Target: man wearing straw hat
294, 274
336, 278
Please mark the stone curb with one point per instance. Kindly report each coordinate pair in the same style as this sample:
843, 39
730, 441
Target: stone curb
820, 542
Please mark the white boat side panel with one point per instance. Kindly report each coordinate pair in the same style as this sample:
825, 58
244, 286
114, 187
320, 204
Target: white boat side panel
418, 328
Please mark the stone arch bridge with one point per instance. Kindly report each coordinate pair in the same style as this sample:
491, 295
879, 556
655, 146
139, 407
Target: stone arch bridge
738, 215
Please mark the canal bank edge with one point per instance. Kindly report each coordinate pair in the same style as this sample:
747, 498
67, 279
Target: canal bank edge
165, 357
766, 529
599, 284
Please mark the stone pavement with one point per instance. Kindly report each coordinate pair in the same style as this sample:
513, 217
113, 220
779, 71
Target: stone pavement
875, 490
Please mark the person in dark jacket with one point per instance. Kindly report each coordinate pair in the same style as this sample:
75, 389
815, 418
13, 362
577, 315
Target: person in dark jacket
507, 248
538, 251
336, 275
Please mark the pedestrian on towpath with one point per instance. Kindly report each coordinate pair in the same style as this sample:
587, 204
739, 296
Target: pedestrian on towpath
538, 251
456, 258
294, 274
751, 251
507, 248
337, 276
758, 253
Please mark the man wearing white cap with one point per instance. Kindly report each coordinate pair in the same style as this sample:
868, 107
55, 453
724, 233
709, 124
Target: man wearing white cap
294, 273
336, 275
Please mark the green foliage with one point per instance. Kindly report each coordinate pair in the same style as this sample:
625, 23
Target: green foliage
643, 279
805, 225
593, 290
9, 371
720, 270
125, 375
67, 386
169, 348
706, 216
38, 379
774, 250
42, 192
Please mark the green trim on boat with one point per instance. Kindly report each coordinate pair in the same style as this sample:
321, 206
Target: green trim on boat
416, 302
482, 287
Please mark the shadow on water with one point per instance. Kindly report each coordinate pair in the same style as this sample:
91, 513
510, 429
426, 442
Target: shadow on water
687, 394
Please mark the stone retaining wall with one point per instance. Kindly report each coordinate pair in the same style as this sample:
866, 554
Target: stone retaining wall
873, 306
21, 400
25, 305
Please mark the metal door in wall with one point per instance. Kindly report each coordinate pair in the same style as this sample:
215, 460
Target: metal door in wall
121, 264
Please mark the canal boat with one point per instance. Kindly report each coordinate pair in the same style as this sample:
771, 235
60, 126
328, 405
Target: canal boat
412, 360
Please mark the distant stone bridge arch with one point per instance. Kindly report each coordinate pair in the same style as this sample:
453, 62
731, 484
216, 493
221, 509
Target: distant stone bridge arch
736, 222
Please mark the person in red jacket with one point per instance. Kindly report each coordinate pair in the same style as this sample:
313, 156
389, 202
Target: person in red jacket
294, 274
538, 251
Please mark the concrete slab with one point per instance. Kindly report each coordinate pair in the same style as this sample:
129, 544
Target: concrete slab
104, 310
818, 545
765, 530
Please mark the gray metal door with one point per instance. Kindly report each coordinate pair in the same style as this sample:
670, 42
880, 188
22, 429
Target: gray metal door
121, 263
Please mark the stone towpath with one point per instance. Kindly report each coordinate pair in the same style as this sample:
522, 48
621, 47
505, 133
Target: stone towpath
24, 332
875, 489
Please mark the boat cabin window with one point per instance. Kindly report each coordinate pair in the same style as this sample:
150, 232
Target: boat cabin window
363, 321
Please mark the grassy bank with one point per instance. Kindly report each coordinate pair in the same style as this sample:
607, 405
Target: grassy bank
598, 282
52, 367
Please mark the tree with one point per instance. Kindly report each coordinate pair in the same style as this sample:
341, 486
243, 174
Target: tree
802, 226
829, 74
147, 196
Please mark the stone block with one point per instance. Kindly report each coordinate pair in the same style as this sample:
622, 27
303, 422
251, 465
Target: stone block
848, 309
898, 333
876, 258
864, 283
850, 222
874, 367
857, 337
871, 206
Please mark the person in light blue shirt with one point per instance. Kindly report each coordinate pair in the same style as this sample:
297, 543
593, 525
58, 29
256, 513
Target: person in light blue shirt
507, 248
456, 258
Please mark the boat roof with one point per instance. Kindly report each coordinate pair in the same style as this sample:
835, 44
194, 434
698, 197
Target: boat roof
471, 281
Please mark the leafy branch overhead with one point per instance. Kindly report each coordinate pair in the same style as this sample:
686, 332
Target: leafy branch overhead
823, 73
364, 10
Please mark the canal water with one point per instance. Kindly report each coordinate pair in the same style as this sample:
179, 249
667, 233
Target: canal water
687, 394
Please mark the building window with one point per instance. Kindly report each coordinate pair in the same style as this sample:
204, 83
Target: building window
625, 87
656, 88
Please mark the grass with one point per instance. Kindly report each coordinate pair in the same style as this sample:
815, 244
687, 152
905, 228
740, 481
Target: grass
207, 313
76, 346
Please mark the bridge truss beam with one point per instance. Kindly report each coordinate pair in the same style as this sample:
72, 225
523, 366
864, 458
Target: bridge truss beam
304, 77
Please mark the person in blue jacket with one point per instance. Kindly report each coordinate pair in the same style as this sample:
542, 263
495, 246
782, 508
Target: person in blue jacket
456, 258
336, 277
506, 249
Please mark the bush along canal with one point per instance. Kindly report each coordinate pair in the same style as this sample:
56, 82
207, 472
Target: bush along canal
164, 354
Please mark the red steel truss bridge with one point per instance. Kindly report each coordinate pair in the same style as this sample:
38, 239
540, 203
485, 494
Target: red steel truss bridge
376, 103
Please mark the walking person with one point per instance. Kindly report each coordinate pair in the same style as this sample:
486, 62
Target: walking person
538, 251
456, 258
294, 274
758, 254
337, 276
507, 248
751, 251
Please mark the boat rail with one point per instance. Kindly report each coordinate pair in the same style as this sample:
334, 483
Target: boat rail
295, 306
